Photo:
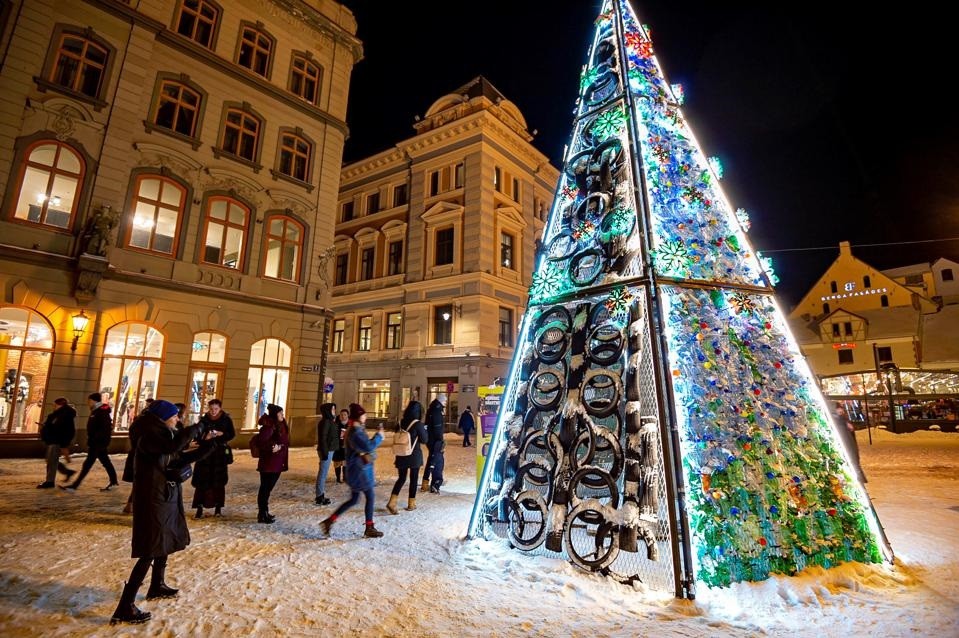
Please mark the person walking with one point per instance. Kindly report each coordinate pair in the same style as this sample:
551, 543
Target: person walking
411, 463
159, 524
99, 433
212, 473
274, 446
57, 433
359, 470
466, 425
339, 453
435, 424
327, 440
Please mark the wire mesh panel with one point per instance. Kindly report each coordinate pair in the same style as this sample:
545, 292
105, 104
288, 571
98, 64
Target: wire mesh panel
581, 474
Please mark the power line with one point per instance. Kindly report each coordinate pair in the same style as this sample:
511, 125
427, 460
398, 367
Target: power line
834, 247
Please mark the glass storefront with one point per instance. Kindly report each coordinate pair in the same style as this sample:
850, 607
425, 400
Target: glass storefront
268, 380
374, 396
130, 373
26, 348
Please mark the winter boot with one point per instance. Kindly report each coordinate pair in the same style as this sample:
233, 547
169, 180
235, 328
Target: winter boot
126, 610
322, 500
199, 513
265, 517
411, 505
158, 588
218, 511
425, 486
337, 470
391, 506
326, 524
372, 532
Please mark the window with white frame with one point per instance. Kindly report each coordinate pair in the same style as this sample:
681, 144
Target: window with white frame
268, 378
130, 370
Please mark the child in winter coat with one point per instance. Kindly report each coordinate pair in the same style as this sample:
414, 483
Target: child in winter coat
359, 470
439, 462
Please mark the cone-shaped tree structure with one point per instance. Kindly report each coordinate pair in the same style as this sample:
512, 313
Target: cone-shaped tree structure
659, 422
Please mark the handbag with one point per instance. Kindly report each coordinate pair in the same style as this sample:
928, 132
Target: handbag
178, 473
228, 453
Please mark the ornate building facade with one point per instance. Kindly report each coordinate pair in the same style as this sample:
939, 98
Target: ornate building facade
434, 254
169, 174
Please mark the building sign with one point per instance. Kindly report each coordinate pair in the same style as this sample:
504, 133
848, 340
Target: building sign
850, 286
468, 388
313, 368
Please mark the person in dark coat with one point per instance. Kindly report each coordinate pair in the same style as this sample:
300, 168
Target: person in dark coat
466, 425
128, 471
359, 470
847, 433
274, 444
159, 524
408, 464
99, 433
57, 432
339, 452
212, 473
327, 440
435, 425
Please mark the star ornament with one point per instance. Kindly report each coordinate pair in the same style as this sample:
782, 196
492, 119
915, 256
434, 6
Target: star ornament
672, 257
609, 123
618, 302
742, 303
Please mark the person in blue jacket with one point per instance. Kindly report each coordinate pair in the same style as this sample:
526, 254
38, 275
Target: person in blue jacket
359, 470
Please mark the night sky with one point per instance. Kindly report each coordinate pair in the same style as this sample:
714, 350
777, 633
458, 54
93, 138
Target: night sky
830, 126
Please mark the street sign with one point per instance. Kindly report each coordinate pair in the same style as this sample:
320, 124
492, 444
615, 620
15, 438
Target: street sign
313, 368
449, 387
469, 388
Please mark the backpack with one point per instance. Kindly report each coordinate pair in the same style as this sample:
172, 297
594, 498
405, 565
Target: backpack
255, 445
403, 440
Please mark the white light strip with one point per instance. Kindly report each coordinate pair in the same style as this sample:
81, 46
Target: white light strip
861, 293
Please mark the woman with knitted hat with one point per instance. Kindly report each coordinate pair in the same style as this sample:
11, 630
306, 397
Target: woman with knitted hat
274, 443
159, 524
359, 469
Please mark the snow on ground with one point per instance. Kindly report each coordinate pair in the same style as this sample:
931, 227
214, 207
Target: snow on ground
63, 559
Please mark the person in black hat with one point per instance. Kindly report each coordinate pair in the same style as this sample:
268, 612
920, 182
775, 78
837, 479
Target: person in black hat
273, 442
159, 523
99, 433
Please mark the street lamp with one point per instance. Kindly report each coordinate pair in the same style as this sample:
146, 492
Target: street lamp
80, 321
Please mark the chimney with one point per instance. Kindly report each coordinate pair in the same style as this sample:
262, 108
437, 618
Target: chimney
844, 249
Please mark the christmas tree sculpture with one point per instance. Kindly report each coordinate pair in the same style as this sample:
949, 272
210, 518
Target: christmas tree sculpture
659, 423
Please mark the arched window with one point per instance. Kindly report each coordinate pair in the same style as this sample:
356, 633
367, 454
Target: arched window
305, 77
198, 21
884, 301
866, 282
826, 309
207, 370
26, 349
255, 50
158, 206
177, 108
225, 232
268, 380
130, 373
50, 184
79, 65
241, 134
295, 155
283, 248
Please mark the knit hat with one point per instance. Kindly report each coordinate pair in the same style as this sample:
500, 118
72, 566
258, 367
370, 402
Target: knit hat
273, 409
356, 411
162, 409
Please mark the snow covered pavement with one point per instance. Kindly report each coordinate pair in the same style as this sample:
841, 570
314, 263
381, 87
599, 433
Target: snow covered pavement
63, 559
